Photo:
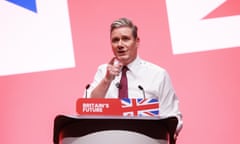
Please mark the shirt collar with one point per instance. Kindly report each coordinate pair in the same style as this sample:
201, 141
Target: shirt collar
132, 66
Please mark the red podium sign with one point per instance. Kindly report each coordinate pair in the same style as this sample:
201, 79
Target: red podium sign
118, 107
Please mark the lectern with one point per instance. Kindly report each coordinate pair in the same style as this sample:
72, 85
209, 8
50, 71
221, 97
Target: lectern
113, 130
115, 121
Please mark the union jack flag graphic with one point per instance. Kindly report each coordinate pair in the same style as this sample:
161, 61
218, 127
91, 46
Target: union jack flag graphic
140, 107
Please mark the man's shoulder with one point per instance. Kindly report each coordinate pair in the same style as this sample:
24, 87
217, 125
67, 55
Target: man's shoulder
151, 65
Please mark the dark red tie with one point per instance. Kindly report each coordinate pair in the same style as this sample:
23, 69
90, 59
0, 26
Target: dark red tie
123, 88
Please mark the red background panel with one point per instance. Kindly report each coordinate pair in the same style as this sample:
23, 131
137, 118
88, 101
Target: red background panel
207, 83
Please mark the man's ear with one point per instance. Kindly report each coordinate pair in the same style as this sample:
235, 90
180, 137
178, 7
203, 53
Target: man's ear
138, 41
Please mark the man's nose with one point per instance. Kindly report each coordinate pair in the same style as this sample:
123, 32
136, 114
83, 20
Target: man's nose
120, 43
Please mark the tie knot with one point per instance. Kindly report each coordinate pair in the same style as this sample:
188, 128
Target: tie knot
124, 69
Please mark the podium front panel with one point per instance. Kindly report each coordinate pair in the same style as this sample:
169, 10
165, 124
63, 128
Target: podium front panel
90, 129
112, 137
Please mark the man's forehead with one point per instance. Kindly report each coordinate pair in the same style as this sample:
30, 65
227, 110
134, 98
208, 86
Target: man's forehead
121, 31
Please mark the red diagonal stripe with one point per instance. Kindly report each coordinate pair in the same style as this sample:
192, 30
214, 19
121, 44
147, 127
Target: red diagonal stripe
228, 8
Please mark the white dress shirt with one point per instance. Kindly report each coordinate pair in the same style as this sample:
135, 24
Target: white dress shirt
155, 82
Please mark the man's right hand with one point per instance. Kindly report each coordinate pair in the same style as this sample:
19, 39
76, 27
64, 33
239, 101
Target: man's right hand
113, 69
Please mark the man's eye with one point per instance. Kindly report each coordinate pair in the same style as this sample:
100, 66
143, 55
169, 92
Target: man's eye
115, 40
125, 38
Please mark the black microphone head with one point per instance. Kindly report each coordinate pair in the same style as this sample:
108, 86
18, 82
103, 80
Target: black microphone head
118, 85
87, 86
140, 87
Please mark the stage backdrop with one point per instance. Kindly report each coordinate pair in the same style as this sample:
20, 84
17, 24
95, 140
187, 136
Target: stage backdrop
50, 50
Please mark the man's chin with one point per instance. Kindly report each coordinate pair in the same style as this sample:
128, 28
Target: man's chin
123, 58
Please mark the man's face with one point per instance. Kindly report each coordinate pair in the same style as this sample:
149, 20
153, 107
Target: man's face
124, 45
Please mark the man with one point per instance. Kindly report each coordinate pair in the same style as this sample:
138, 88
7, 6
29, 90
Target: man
145, 80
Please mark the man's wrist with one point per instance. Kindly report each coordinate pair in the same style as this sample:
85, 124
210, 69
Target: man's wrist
107, 81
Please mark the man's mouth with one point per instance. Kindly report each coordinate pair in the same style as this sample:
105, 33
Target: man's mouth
122, 52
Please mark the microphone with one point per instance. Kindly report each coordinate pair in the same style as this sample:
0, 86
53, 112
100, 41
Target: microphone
143, 91
118, 85
86, 88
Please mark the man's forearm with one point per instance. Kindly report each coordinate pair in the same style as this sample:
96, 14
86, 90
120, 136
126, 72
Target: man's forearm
101, 90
